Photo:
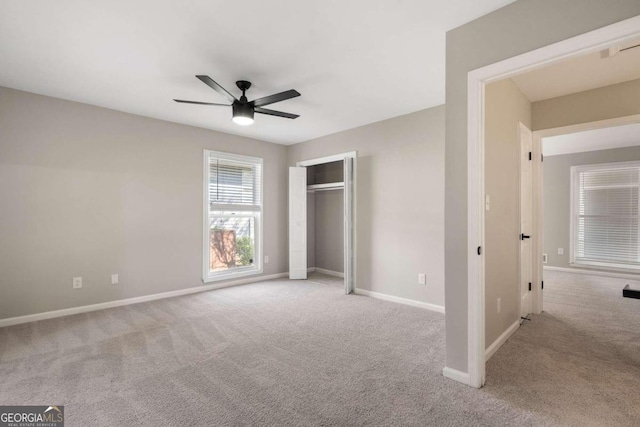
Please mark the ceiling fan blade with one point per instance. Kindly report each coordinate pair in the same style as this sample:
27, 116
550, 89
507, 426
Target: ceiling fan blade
271, 99
276, 113
215, 86
200, 103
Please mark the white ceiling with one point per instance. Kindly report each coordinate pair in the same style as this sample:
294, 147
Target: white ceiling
592, 140
579, 74
355, 62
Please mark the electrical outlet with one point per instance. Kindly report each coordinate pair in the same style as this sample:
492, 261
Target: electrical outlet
422, 279
544, 258
560, 251
114, 279
266, 259
77, 282
499, 305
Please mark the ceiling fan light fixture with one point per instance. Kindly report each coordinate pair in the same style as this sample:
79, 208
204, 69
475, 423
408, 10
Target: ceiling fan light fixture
242, 114
243, 110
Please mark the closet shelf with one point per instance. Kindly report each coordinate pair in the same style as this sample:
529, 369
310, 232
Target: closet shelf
325, 187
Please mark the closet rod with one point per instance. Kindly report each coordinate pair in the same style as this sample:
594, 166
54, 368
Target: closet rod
325, 189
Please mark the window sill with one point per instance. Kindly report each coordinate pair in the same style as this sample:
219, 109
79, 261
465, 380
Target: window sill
252, 271
616, 268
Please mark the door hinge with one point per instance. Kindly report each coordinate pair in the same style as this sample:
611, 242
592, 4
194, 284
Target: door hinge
529, 155
479, 250
542, 283
529, 286
541, 157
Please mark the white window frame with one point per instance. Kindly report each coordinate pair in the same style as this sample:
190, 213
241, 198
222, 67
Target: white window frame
573, 210
257, 268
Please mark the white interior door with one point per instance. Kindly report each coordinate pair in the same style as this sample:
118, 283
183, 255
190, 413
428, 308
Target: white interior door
349, 274
297, 223
526, 220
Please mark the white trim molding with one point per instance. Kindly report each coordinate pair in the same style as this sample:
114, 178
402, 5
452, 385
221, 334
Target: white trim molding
399, 300
589, 271
475, 231
592, 41
328, 272
136, 300
491, 350
453, 374
327, 159
325, 271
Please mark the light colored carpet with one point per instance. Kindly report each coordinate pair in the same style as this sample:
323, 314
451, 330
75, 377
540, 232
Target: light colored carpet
579, 362
282, 353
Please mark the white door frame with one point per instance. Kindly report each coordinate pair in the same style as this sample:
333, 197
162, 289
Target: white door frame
538, 183
537, 237
349, 215
477, 80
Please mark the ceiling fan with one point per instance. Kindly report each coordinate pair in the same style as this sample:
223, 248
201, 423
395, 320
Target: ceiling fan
244, 109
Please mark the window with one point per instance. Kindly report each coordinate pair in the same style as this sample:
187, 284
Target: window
605, 215
233, 216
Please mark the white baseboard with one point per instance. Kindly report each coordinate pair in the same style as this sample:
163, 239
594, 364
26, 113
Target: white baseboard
461, 377
118, 303
613, 274
311, 269
413, 303
490, 351
328, 272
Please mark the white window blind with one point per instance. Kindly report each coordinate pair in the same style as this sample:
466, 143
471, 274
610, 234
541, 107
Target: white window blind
606, 216
233, 216
234, 183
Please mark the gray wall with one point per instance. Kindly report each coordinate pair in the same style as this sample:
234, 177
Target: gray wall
88, 191
515, 29
399, 206
329, 230
557, 196
607, 102
505, 107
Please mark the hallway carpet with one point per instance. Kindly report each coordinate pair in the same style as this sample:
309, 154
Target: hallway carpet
296, 353
578, 363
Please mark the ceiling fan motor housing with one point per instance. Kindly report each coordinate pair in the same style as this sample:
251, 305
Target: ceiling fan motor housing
242, 109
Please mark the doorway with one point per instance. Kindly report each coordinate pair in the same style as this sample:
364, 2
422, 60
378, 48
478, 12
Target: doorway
577, 242
322, 218
477, 82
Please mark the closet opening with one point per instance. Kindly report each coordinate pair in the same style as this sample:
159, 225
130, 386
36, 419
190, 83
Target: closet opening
321, 218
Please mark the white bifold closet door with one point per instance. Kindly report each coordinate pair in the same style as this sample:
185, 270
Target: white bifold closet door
297, 223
